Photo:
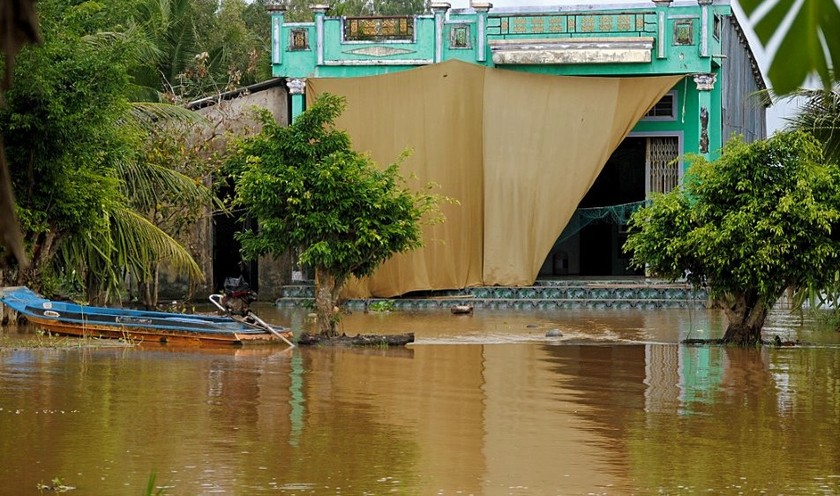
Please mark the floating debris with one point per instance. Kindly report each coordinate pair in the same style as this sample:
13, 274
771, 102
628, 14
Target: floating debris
462, 309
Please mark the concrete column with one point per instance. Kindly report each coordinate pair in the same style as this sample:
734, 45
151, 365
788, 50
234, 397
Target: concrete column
481, 31
319, 10
278, 17
439, 9
297, 90
704, 26
662, 28
705, 84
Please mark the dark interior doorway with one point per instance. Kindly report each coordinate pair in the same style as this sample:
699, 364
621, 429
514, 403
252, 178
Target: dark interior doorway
592, 243
227, 260
621, 181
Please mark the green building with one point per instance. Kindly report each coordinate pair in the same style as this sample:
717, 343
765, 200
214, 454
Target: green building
521, 89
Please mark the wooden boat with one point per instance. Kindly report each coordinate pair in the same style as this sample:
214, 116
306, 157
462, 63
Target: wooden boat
142, 326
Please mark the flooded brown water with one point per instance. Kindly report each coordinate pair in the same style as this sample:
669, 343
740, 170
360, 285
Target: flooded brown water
482, 404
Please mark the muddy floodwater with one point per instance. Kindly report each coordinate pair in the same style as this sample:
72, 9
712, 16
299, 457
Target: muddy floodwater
481, 404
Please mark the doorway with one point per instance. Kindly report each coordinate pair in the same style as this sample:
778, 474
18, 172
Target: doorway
592, 244
227, 259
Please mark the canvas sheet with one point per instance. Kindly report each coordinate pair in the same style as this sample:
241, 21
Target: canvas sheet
518, 151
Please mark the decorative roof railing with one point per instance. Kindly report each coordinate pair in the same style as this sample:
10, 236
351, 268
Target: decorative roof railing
573, 24
662, 38
379, 28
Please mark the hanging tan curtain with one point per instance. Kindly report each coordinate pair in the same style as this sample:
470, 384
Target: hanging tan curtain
517, 150
436, 112
546, 139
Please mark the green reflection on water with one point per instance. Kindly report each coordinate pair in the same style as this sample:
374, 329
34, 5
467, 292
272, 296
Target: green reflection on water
755, 420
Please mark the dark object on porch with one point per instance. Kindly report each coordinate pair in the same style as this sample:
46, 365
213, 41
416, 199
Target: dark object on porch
357, 340
238, 296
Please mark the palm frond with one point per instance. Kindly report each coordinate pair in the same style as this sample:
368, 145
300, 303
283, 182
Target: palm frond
147, 184
817, 112
138, 243
149, 114
128, 241
143, 92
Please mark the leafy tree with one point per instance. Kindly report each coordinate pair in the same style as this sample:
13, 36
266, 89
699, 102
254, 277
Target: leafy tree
299, 11
239, 54
61, 134
169, 185
809, 44
308, 189
169, 29
68, 139
762, 218
192, 48
818, 113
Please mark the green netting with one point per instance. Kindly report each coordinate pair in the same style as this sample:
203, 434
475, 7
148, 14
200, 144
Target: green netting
612, 214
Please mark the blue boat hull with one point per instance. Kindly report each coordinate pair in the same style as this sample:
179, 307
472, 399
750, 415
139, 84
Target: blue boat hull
69, 318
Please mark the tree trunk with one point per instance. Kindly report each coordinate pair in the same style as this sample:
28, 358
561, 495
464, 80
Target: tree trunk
149, 287
43, 249
746, 314
156, 285
327, 288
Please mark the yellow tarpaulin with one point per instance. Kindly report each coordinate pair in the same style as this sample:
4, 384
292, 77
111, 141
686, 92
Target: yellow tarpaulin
517, 150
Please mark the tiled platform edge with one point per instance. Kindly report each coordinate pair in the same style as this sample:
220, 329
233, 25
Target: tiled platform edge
543, 295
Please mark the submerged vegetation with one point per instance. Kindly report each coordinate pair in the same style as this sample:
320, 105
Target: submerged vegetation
28, 339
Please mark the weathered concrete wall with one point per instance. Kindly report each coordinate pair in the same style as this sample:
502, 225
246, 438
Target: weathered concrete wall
231, 112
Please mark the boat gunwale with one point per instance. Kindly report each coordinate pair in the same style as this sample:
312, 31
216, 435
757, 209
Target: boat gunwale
160, 326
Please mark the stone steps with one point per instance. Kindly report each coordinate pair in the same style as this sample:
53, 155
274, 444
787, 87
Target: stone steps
543, 295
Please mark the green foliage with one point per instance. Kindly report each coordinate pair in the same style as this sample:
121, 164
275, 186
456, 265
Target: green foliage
818, 113
150, 486
71, 135
809, 45
62, 132
381, 306
307, 188
299, 11
400, 7
199, 47
762, 218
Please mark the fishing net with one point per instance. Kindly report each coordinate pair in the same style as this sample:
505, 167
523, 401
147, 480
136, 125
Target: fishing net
612, 214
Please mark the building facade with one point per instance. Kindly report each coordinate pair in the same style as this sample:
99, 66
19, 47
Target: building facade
700, 42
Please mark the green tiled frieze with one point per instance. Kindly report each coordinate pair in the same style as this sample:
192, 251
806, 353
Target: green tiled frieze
545, 295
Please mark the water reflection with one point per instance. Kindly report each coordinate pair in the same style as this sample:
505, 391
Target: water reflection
487, 326
616, 406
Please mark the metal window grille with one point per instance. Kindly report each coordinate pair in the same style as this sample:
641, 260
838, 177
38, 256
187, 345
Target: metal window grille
662, 153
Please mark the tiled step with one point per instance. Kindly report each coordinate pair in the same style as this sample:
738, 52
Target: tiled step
551, 294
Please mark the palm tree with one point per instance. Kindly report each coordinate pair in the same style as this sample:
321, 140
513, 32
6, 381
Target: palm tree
819, 114
127, 237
